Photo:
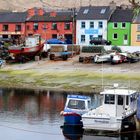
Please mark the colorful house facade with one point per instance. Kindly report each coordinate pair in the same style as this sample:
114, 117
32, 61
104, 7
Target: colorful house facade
119, 27
92, 22
52, 25
135, 31
12, 24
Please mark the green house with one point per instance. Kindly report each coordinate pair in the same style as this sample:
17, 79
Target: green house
119, 27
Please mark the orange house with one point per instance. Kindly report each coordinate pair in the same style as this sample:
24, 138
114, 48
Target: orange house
12, 24
51, 25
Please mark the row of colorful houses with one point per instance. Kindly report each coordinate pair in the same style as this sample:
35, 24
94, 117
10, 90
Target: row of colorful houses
113, 23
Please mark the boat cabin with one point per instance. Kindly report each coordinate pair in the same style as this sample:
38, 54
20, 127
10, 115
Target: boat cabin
119, 102
77, 103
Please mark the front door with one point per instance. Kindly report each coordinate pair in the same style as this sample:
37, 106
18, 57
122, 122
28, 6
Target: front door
125, 42
120, 105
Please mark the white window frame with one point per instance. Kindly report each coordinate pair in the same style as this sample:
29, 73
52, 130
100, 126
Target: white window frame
100, 24
138, 37
82, 24
138, 27
115, 38
114, 25
122, 25
91, 37
91, 24
83, 40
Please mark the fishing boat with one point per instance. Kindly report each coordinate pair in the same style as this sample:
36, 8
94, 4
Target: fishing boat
32, 46
75, 106
116, 112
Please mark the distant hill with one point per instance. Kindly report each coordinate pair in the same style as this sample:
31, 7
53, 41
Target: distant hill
22, 5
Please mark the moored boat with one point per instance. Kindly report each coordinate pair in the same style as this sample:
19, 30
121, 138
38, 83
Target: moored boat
33, 45
75, 106
116, 112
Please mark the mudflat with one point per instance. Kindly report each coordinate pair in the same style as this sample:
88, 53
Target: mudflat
69, 75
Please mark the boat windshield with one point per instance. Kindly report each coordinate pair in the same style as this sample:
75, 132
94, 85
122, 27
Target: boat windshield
76, 104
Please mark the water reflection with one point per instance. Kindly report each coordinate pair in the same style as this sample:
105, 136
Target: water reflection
33, 114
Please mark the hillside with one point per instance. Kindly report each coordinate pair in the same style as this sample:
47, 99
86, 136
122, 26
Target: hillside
22, 5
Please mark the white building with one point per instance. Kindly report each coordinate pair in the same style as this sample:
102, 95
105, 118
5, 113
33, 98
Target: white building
92, 22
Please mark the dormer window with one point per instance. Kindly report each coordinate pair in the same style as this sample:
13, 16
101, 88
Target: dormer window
103, 11
86, 11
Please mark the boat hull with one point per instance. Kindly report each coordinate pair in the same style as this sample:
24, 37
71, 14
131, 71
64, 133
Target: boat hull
72, 118
109, 124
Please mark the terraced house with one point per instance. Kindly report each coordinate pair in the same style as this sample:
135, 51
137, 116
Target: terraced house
92, 22
135, 31
119, 27
51, 25
12, 24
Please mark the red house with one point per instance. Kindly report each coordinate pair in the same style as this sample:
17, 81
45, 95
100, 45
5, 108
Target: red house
12, 24
51, 24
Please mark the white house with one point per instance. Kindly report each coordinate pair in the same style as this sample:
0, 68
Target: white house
92, 22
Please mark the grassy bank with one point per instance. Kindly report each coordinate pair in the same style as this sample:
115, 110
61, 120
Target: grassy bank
66, 80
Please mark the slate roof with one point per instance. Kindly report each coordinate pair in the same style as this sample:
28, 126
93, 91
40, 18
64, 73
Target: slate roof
137, 19
122, 15
60, 16
94, 13
12, 17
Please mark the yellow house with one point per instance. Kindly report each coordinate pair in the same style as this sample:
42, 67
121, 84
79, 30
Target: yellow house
135, 32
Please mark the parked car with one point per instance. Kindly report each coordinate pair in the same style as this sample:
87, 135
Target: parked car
99, 41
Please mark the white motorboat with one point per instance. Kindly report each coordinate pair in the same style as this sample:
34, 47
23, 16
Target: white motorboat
119, 105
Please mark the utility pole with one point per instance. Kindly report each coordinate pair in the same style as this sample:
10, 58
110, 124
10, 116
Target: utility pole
73, 24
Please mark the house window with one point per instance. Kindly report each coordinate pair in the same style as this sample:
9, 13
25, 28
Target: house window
44, 27
35, 26
125, 37
123, 25
18, 28
138, 27
138, 37
100, 24
82, 38
67, 26
5, 27
115, 25
90, 37
100, 36
83, 24
54, 26
54, 35
115, 36
91, 24
28, 27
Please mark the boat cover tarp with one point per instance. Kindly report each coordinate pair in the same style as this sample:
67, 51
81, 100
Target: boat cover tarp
55, 41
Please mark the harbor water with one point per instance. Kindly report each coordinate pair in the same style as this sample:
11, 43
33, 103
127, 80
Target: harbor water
35, 115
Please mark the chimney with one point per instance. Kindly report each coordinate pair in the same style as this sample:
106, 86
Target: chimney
40, 12
53, 14
112, 5
31, 12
